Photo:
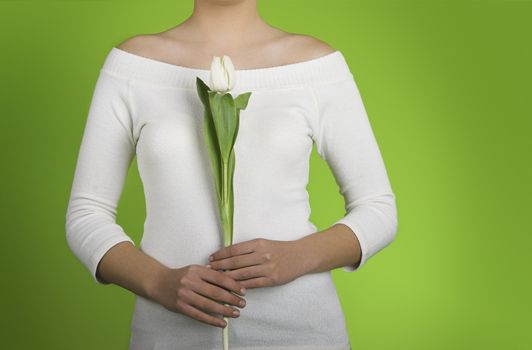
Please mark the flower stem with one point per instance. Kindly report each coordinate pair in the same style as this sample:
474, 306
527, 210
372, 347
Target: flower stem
227, 226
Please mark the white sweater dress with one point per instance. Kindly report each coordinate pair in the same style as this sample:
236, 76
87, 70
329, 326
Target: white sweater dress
150, 109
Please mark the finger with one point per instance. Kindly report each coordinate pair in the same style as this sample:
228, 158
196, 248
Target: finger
221, 279
193, 312
209, 305
217, 294
260, 282
234, 249
236, 262
247, 272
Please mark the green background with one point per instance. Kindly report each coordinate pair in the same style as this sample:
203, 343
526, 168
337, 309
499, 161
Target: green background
447, 86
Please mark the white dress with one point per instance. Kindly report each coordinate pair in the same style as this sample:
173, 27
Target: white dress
150, 109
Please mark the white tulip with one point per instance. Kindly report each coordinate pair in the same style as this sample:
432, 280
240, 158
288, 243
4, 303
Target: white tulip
222, 74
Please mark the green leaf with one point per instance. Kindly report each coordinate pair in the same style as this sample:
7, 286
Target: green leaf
211, 141
203, 92
221, 125
241, 101
225, 121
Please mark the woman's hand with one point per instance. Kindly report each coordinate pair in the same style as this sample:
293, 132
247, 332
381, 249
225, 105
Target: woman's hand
260, 262
198, 292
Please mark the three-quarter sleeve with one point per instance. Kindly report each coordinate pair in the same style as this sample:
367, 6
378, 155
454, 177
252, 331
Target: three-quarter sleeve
106, 151
344, 139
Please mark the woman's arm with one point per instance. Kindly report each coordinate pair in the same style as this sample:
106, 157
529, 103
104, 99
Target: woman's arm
106, 151
329, 249
129, 267
345, 140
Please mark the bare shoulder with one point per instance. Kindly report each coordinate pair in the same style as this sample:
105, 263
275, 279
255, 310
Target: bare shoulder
147, 45
137, 44
307, 47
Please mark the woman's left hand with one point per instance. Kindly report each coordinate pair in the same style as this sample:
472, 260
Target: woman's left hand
260, 262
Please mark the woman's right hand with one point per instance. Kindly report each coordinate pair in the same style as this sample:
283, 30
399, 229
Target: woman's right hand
197, 291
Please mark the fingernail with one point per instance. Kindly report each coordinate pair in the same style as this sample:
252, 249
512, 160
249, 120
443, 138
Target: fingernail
209, 266
211, 258
243, 290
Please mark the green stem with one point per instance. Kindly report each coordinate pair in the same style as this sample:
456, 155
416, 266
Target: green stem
227, 220
227, 226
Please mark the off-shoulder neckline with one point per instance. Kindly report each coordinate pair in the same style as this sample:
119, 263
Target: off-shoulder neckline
258, 69
331, 66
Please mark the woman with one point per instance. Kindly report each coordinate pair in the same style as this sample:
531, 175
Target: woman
145, 104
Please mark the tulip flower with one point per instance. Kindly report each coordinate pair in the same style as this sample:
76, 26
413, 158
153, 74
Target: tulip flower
222, 74
220, 130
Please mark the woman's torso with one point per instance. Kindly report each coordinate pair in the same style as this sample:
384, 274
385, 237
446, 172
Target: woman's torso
272, 153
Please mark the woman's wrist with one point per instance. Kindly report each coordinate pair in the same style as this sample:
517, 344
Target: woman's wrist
303, 249
153, 279
328, 249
